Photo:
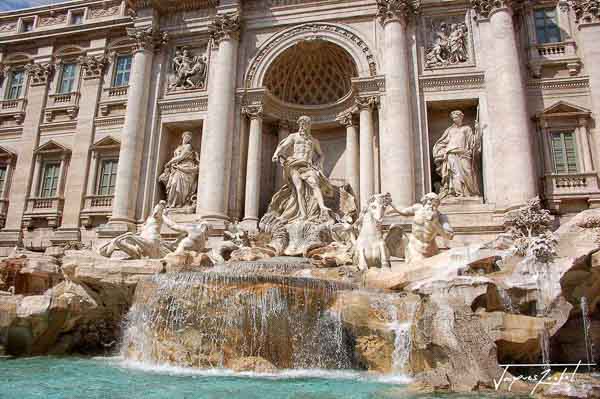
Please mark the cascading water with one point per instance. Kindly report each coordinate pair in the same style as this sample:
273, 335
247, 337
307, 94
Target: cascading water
587, 332
209, 319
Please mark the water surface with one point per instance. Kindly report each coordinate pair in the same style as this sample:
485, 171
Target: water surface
112, 378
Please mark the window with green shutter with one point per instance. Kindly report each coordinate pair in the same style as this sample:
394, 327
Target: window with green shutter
16, 81
546, 26
564, 152
3, 170
66, 83
49, 186
108, 177
122, 70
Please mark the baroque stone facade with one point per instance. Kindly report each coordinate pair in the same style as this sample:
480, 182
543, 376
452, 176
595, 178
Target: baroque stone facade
103, 114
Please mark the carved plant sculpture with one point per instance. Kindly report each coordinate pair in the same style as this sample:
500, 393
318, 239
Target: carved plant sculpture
530, 228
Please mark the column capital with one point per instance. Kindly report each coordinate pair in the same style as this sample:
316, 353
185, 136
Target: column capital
586, 11
254, 111
485, 8
346, 119
394, 10
225, 27
147, 39
369, 102
39, 73
93, 66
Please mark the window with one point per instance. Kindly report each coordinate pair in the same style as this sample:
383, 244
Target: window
546, 26
122, 70
77, 18
564, 152
15, 85
67, 78
108, 177
50, 179
3, 170
27, 25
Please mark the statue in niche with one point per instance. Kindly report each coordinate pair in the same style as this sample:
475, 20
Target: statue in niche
302, 198
449, 45
428, 224
180, 175
145, 244
190, 71
456, 157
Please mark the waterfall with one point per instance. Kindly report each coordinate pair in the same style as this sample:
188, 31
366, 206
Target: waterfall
402, 345
506, 300
587, 332
208, 319
545, 348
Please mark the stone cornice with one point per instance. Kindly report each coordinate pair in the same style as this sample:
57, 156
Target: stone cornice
147, 39
394, 10
225, 27
93, 66
586, 11
39, 73
167, 6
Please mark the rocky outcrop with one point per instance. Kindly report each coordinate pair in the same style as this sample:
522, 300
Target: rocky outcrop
81, 313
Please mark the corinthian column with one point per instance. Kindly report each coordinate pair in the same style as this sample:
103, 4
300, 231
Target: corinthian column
367, 157
396, 142
514, 173
282, 133
215, 158
253, 168
352, 153
132, 136
587, 15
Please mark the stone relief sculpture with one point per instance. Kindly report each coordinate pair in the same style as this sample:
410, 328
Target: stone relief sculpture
302, 160
372, 247
234, 238
145, 244
180, 175
189, 70
446, 44
194, 235
301, 212
456, 157
428, 224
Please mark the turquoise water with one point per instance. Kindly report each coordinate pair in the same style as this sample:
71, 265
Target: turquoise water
110, 378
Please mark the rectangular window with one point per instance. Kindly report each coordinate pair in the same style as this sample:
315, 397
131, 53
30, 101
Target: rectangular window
564, 152
122, 70
15, 85
67, 78
77, 18
546, 26
27, 25
108, 177
3, 170
50, 177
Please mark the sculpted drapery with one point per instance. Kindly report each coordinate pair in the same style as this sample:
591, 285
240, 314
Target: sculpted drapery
180, 176
456, 157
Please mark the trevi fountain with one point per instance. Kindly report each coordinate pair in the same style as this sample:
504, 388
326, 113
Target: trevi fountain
197, 272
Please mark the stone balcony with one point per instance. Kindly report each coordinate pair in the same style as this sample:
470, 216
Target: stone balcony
62, 104
13, 109
560, 53
95, 206
49, 209
113, 99
575, 186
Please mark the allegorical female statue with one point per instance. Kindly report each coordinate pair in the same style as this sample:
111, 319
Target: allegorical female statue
456, 156
180, 176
